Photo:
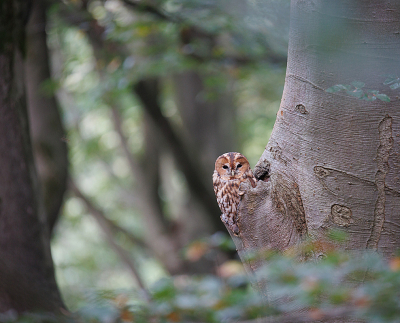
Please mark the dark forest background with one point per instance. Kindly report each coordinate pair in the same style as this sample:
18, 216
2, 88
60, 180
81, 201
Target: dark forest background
150, 93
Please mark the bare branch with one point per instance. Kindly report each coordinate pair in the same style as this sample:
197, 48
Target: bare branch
104, 224
161, 243
137, 172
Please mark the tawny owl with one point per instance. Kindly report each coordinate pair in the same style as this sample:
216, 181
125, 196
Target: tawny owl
231, 169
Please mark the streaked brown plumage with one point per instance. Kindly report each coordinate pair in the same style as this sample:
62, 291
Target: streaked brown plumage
231, 169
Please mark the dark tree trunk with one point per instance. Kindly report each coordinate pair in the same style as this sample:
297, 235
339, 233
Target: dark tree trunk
208, 131
208, 121
147, 91
26, 270
47, 132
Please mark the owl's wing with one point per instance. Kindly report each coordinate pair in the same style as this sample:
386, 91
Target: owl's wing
216, 182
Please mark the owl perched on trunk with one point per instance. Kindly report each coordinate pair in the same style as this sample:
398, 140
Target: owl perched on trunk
231, 169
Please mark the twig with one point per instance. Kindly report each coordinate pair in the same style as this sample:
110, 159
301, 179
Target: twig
104, 225
128, 234
160, 241
137, 172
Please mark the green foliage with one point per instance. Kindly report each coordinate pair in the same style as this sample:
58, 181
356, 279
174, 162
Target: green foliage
393, 81
178, 299
357, 90
362, 284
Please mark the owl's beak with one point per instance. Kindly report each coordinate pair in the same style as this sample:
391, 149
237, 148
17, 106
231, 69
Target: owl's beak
233, 172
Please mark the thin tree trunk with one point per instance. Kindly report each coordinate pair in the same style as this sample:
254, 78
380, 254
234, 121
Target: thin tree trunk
157, 236
47, 131
209, 116
108, 231
27, 276
209, 131
147, 91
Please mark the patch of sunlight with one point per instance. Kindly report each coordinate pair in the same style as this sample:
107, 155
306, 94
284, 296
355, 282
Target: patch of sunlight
93, 178
120, 167
73, 207
94, 124
109, 140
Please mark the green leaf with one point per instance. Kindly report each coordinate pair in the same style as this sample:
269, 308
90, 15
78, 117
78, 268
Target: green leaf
356, 93
358, 85
395, 86
337, 88
383, 97
332, 89
390, 79
49, 87
163, 289
370, 98
337, 235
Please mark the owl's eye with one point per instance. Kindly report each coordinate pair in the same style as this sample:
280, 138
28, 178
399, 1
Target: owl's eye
225, 167
239, 165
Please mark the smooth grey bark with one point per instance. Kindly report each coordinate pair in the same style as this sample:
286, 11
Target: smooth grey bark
26, 269
47, 131
333, 161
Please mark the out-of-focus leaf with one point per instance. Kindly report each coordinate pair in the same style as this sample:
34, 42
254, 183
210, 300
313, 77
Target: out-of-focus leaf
337, 88
337, 235
222, 240
358, 85
394, 264
394, 86
383, 97
49, 87
356, 93
390, 79
163, 289
196, 250
230, 268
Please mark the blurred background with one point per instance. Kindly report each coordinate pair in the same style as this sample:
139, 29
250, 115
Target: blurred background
150, 93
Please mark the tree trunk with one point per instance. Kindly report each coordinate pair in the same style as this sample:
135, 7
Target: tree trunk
49, 147
208, 126
26, 270
206, 119
333, 160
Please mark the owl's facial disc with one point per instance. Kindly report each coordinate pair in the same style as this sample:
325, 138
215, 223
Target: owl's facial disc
231, 165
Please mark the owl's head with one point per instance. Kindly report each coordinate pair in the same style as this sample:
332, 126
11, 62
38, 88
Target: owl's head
231, 165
